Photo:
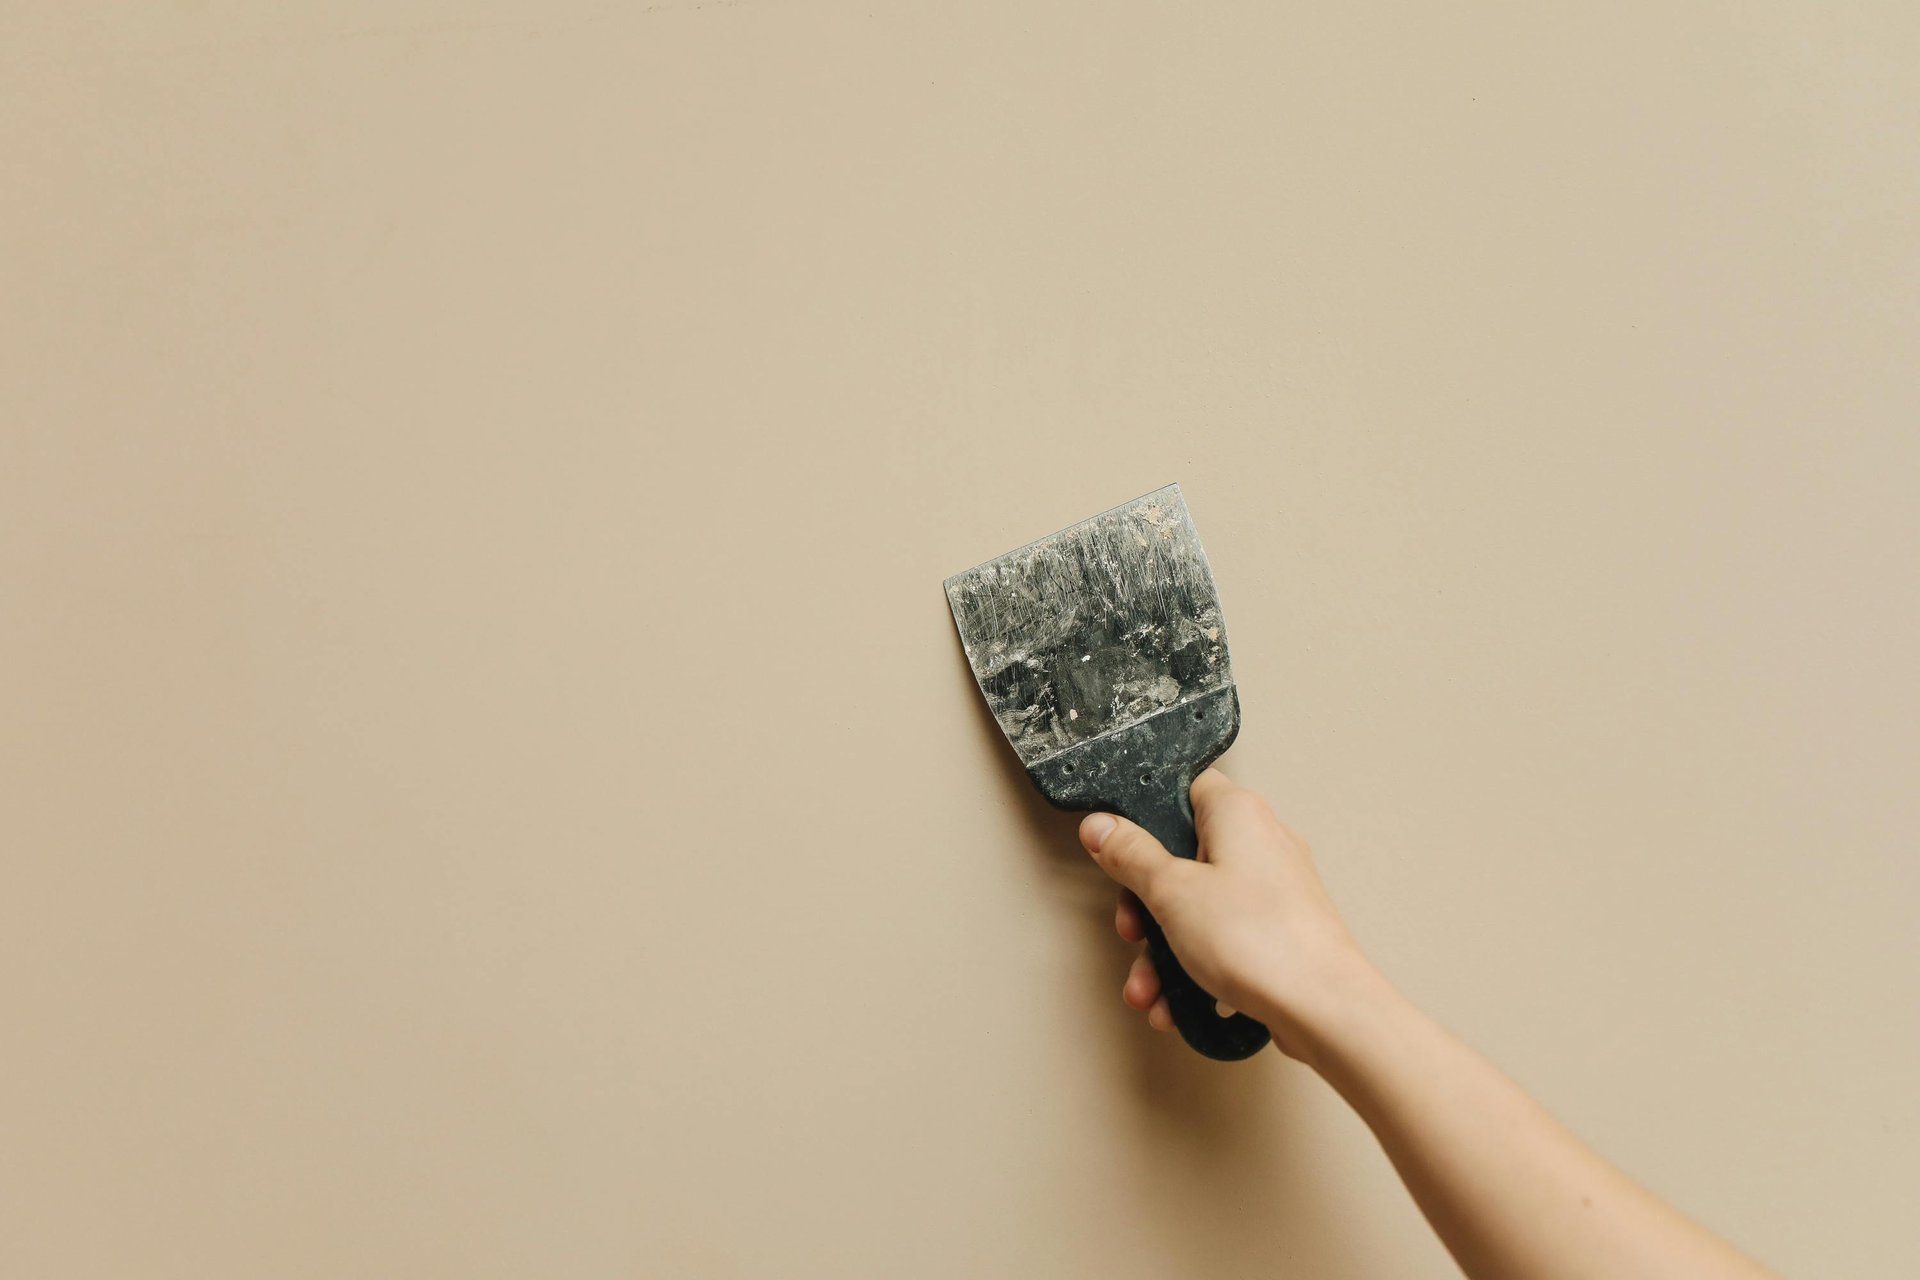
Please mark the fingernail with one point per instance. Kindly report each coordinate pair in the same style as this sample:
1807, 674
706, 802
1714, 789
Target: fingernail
1096, 829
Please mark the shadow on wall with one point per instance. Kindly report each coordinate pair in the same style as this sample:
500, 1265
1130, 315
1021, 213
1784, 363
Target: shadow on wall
1223, 1180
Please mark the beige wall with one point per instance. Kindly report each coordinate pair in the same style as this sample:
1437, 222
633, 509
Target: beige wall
490, 785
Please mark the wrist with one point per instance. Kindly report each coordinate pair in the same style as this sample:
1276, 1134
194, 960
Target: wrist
1322, 1003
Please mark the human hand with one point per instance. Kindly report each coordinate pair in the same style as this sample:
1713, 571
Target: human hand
1249, 919
1509, 1190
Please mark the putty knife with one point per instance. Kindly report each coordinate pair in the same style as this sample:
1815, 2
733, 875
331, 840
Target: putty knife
1101, 651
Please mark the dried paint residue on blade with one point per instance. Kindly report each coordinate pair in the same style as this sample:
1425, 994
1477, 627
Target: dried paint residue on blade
1095, 627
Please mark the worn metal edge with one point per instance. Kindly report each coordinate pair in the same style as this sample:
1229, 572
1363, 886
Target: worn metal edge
947, 583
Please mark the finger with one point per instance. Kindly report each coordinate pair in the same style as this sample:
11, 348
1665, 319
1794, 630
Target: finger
1160, 1017
1142, 986
1228, 818
1127, 853
1126, 918
1210, 785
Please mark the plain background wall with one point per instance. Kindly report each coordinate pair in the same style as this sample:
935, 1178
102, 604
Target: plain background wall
490, 786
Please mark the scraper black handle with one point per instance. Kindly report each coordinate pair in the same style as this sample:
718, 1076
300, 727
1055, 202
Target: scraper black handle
1195, 1014
1144, 773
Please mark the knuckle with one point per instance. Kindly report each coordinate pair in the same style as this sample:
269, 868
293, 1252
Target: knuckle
1112, 853
1124, 845
1162, 880
1245, 804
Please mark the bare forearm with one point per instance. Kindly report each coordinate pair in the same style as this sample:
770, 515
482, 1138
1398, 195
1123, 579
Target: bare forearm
1512, 1193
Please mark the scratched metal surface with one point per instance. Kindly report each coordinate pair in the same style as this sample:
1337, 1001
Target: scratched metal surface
1095, 627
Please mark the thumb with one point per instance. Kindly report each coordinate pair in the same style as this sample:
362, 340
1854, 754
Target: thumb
1129, 854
